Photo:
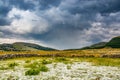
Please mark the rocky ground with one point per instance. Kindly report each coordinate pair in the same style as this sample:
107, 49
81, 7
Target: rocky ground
15, 70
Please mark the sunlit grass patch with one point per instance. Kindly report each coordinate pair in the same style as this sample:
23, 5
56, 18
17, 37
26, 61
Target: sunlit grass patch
32, 65
27, 61
55, 65
101, 61
12, 65
46, 61
32, 62
61, 59
107, 62
68, 66
8, 65
3, 67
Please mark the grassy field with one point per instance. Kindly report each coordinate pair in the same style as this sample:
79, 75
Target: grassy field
90, 55
70, 53
60, 68
95, 61
61, 65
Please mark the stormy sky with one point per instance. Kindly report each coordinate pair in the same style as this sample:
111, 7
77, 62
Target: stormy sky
60, 24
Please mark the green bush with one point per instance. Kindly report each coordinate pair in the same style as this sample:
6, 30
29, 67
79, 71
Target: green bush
32, 72
43, 68
46, 62
27, 61
61, 59
3, 68
68, 67
35, 69
12, 65
32, 65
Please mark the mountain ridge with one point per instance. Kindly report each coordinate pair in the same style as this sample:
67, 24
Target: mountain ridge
23, 46
113, 43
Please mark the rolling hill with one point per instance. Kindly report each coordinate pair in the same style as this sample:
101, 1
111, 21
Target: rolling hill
96, 46
113, 43
22, 46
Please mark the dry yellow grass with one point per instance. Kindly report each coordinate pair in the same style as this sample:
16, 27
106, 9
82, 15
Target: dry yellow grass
69, 53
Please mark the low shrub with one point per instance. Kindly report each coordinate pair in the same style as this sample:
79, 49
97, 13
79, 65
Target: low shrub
32, 65
61, 59
12, 65
3, 68
32, 72
46, 62
43, 68
27, 61
68, 67
35, 69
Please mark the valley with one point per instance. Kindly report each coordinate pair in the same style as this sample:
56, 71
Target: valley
27, 61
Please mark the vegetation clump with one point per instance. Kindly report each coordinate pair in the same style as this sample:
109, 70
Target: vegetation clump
43, 68
27, 61
46, 62
12, 65
36, 68
61, 59
68, 67
32, 72
36, 71
3, 68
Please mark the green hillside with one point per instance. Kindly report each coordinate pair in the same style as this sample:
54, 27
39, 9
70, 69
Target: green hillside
96, 46
21, 46
7, 47
114, 42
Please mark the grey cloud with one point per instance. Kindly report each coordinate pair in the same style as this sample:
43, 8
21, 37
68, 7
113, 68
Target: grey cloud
3, 15
22, 4
47, 4
91, 6
68, 23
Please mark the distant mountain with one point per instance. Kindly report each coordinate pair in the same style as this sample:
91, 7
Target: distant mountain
113, 43
22, 46
96, 46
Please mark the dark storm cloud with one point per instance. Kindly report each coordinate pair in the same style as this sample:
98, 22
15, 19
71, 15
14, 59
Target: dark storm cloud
93, 6
46, 4
4, 22
3, 13
61, 23
7, 5
22, 4
4, 10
